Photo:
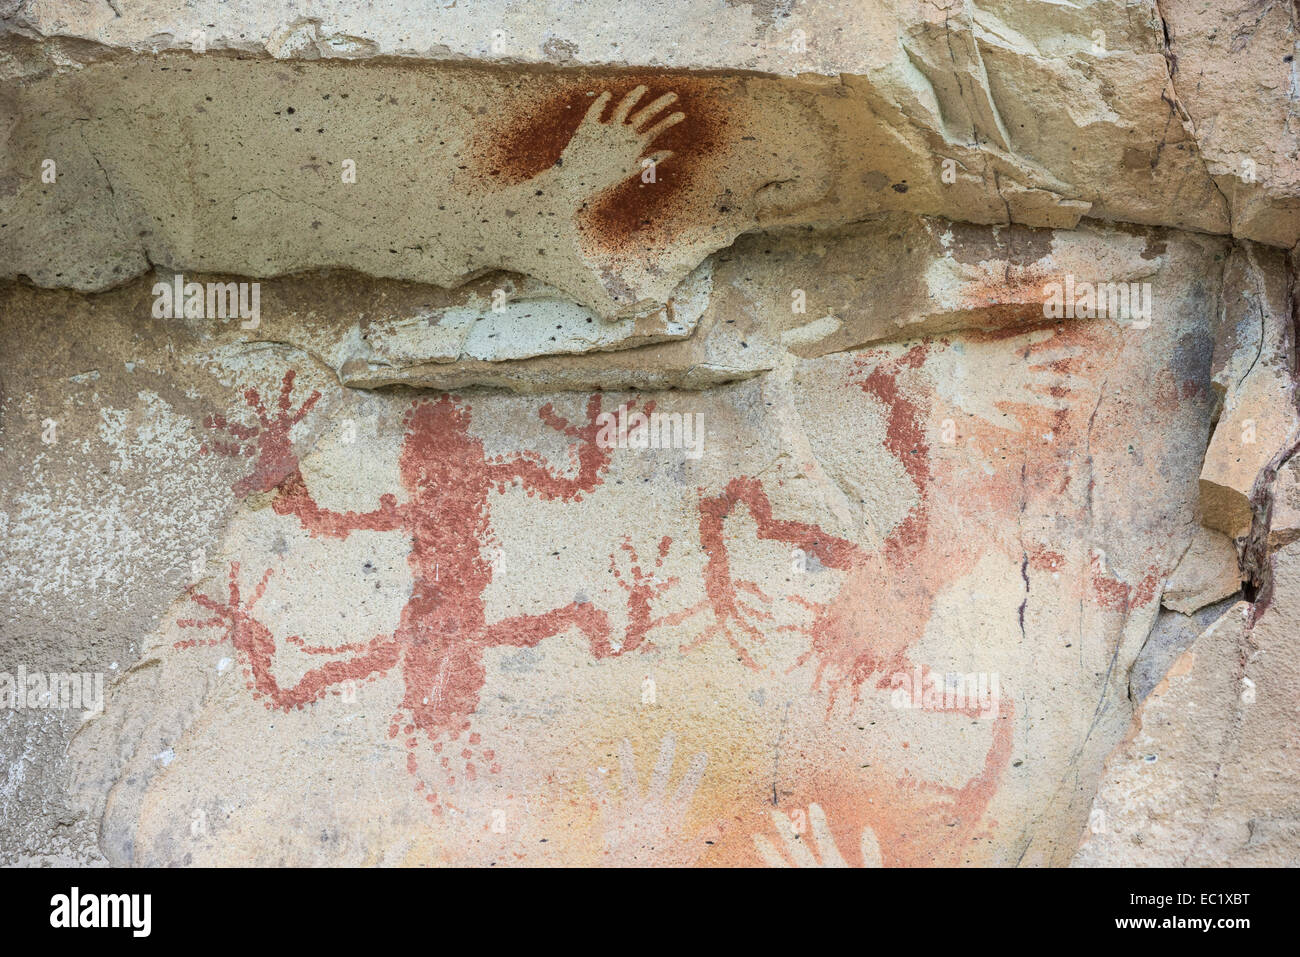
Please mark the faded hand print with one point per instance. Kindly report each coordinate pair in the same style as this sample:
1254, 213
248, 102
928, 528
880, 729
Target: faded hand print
646, 826
819, 850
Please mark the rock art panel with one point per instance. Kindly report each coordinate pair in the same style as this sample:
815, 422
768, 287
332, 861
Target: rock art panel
795, 618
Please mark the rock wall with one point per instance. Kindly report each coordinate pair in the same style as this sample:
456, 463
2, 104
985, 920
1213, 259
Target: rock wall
733, 434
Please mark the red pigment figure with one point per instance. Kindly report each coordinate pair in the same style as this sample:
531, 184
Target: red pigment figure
442, 633
885, 584
884, 604
865, 632
864, 636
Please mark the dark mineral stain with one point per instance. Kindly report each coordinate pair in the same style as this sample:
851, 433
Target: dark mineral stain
1019, 245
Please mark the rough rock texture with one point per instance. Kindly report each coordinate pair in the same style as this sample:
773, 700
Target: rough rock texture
959, 528
1209, 775
1254, 359
1029, 113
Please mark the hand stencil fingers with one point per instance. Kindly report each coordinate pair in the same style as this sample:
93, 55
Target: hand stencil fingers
690, 781
668, 121
663, 767
769, 853
597, 108
870, 849
800, 856
629, 101
646, 113
822, 838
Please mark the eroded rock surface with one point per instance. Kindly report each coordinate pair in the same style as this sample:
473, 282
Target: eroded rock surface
988, 113
1207, 776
